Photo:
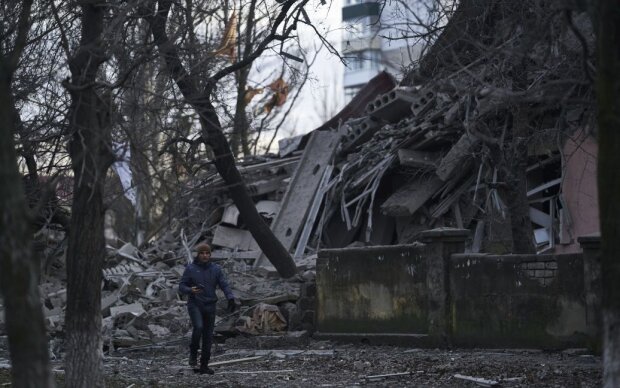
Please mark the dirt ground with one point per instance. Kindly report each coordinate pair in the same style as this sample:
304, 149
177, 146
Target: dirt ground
282, 362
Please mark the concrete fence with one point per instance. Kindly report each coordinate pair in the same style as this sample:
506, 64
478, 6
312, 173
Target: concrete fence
431, 294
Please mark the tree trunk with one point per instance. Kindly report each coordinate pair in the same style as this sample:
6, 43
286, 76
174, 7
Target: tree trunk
515, 192
140, 134
608, 96
90, 151
241, 126
239, 140
214, 137
19, 268
225, 164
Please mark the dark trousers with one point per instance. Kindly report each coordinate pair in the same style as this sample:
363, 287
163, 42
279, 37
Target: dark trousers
203, 322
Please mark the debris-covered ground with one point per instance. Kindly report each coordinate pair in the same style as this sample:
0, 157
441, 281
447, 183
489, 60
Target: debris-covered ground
272, 361
146, 329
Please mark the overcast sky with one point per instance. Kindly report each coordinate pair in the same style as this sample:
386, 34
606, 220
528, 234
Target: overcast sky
324, 90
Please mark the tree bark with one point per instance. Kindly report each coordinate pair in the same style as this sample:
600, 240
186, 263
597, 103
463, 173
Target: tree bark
239, 137
608, 98
215, 138
515, 189
90, 151
19, 268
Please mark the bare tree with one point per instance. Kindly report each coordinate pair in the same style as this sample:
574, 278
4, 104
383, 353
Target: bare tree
198, 93
18, 265
90, 148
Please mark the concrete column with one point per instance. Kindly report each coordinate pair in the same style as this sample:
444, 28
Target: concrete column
440, 245
591, 246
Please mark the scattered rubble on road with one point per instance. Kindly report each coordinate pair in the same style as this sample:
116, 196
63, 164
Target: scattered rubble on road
283, 360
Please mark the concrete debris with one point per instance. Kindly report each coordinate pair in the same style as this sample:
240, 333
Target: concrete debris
478, 380
263, 319
444, 175
130, 252
393, 105
135, 309
140, 303
299, 195
358, 132
233, 238
230, 215
268, 209
289, 145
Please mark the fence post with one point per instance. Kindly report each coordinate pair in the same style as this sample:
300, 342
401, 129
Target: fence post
440, 245
591, 246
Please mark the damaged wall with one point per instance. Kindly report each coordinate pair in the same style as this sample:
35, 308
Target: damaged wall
372, 290
518, 300
457, 299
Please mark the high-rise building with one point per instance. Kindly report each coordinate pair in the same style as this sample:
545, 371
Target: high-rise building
374, 40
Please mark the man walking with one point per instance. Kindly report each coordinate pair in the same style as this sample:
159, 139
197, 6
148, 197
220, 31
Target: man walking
199, 281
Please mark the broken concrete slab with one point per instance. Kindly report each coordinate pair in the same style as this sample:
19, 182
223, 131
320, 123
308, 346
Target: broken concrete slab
288, 145
108, 301
358, 133
268, 209
230, 215
393, 105
454, 158
135, 309
159, 331
409, 198
223, 254
234, 238
301, 191
122, 270
424, 103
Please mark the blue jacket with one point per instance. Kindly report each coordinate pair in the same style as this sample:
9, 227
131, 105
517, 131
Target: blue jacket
205, 276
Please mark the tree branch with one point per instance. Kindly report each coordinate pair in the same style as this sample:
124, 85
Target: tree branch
23, 26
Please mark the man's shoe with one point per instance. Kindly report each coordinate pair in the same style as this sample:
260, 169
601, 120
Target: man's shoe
193, 359
204, 370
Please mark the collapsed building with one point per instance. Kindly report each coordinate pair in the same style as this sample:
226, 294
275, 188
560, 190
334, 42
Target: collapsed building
396, 162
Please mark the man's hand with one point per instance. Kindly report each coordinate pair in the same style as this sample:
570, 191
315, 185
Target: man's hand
232, 305
196, 290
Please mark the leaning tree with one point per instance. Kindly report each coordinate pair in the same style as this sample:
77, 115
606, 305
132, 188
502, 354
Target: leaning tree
199, 86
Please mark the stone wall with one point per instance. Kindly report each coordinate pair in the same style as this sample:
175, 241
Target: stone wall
518, 301
372, 290
430, 290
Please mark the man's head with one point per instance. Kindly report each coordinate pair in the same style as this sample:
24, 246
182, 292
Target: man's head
203, 252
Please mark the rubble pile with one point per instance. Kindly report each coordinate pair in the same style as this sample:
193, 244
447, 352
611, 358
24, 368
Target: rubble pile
426, 156
141, 305
140, 302
417, 140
